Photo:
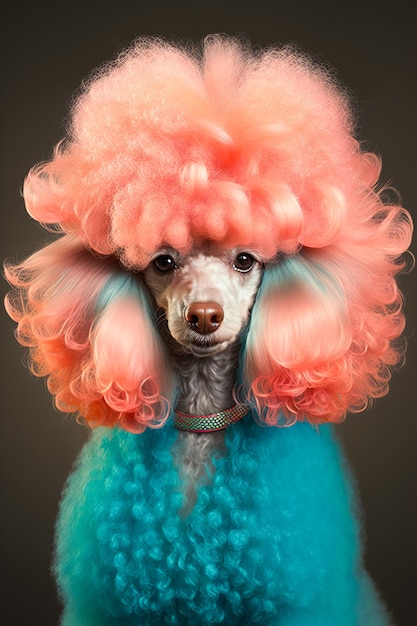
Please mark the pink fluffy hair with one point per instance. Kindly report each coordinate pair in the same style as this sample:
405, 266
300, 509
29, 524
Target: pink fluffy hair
168, 146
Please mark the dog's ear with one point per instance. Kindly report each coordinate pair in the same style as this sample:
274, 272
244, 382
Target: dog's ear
89, 328
318, 347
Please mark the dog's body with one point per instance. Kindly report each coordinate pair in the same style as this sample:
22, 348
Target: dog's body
236, 526
271, 539
224, 287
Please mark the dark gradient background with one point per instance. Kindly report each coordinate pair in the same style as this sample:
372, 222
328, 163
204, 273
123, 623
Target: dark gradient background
47, 49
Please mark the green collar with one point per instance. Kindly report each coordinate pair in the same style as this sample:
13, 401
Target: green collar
210, 423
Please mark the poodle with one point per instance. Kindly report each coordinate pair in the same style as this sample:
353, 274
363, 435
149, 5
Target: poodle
221, 292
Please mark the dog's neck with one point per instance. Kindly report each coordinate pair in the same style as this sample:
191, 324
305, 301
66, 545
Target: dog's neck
205, 384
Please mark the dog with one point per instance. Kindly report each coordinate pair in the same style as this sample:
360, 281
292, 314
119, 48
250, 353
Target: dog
208, 310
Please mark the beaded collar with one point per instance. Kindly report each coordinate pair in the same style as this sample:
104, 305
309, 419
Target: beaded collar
210, 423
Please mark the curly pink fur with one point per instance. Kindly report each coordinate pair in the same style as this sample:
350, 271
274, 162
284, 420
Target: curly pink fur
106, 364
167, 147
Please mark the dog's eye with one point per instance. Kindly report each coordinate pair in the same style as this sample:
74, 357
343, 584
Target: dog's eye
164, 263
243, 262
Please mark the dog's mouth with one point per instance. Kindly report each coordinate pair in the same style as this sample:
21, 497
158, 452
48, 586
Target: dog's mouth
201, 345
199, 349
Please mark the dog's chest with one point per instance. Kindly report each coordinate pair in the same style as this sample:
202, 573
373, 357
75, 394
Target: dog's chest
245, 549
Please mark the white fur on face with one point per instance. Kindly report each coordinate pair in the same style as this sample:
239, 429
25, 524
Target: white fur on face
204, 278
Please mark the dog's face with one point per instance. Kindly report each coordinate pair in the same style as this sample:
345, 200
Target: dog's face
206, 295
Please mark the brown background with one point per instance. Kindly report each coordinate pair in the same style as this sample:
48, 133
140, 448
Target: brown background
47, 49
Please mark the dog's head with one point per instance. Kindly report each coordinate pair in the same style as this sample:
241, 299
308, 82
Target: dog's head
210, 184
205, 296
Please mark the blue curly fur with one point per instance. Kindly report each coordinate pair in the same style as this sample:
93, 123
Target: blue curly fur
272, 540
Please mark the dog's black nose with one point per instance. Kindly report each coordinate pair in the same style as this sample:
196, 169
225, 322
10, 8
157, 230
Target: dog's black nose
204, 317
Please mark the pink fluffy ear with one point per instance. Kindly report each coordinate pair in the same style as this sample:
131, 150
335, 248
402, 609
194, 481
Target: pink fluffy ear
89, 329
298, 335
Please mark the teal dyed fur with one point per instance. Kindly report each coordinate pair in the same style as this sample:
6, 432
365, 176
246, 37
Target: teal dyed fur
273, 540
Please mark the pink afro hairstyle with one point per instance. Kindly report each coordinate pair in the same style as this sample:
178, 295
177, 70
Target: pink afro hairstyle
170, 146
